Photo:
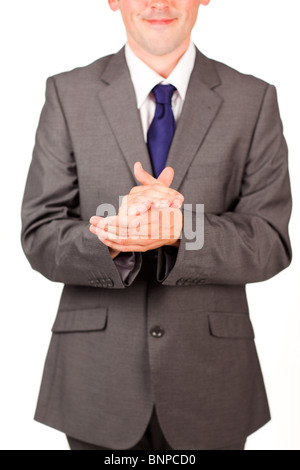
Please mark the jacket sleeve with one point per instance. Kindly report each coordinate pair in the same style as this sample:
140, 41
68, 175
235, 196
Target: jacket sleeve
55, 239
251, 243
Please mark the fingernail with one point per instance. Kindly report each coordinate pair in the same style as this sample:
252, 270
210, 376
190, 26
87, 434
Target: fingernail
145, 206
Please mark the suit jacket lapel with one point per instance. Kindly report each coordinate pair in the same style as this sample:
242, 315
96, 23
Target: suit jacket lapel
119, 104
202, 103
199, 111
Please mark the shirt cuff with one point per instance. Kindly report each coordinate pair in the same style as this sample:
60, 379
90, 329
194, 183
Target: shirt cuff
168, 260
125, 263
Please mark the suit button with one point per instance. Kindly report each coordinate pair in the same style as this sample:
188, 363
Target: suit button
180, 282
110, 282
157, 332
187, 282
94, 283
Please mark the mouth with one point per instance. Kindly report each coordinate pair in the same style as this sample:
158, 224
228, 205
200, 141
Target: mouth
161, 22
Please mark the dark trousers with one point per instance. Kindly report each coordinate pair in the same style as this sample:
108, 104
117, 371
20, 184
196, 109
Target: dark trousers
153, 439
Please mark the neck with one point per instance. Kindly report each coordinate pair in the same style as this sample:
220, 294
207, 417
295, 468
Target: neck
163, 65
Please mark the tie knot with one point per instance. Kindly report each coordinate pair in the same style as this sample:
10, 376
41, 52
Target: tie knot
163, 93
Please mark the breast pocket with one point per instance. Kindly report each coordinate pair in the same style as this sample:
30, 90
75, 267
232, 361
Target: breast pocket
210, 169
211, 184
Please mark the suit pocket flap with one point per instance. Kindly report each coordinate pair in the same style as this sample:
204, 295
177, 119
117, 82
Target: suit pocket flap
231, 325
80, 320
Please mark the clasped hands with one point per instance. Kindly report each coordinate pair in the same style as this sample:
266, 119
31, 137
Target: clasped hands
149, 217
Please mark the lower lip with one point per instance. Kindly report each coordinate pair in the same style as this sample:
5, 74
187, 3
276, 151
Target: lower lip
160, 22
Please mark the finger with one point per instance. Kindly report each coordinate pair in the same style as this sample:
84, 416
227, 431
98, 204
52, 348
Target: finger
140, 204
135, 238
143, 203
161, 192
133, 247
176, 205
123, 248
95, 219
156, 190
108, 235
127, 202
114, 232
137, 207
143, 176
123, 231
102, 221
135, 235
120, 221
141, 208
166, 176
93, 229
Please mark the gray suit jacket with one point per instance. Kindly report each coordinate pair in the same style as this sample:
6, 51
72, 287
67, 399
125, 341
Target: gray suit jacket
105, 370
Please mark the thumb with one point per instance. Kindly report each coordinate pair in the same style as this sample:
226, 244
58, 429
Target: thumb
166, 176
142, 176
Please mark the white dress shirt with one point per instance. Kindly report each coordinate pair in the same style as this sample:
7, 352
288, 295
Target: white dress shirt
144, 79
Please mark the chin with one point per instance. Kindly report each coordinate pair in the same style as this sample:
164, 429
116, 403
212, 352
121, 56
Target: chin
160, 47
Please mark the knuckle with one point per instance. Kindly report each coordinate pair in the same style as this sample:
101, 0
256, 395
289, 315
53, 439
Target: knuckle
136, 200
144, 194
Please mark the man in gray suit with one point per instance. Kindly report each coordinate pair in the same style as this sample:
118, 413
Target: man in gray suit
152, 346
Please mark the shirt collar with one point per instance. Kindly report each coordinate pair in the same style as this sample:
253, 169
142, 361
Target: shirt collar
144, 78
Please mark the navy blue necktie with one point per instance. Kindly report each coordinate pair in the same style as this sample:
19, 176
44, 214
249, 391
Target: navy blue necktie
162, 129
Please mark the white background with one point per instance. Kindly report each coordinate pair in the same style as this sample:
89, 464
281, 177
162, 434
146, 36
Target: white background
40, 38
